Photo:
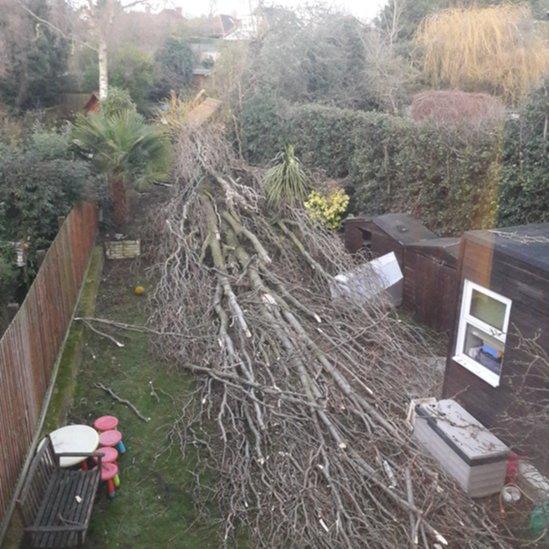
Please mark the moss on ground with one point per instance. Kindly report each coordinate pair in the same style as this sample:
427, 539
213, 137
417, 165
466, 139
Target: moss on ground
71, 357
154, 506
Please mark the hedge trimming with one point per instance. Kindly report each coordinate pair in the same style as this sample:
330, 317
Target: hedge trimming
452, 179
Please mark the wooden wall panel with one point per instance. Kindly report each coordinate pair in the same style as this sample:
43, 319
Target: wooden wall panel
30, 345
496, 407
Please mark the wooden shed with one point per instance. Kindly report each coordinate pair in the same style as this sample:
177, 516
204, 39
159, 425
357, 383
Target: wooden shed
430, 281
503, 305
384, 233
429, 263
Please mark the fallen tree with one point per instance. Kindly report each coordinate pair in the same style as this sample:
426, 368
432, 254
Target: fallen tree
300, 400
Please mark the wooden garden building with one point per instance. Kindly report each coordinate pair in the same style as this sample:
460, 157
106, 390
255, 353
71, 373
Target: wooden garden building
497, 364
427, 262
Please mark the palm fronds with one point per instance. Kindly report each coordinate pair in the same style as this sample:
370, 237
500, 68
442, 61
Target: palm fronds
123, 145
286, 183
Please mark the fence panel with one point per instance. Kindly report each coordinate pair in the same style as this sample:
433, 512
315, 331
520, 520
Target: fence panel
30, 345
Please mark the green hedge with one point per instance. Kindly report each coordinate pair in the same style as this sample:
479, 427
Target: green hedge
524, 186
443, 177
324, 136
453, 179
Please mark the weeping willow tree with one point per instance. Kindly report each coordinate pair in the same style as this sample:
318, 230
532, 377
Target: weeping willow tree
497, 49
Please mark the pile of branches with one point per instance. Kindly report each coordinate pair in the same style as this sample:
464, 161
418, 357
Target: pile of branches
300, 402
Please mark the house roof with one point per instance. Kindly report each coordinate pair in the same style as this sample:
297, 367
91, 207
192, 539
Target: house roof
202, 71
203, 111
403, 227
526, 243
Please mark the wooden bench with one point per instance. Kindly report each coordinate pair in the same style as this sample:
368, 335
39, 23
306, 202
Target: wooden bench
56, 503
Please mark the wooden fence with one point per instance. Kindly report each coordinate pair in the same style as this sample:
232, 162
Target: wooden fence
30, 346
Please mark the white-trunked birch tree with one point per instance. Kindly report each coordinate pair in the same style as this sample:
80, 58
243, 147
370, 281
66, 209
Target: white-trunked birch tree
92, 26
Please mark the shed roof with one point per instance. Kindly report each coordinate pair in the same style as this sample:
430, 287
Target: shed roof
403, 227
446, 248
526, 243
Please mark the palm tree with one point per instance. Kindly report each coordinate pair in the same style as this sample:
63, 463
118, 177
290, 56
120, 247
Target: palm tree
125, 149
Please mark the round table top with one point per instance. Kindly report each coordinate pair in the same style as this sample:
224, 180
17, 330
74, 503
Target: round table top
74, 438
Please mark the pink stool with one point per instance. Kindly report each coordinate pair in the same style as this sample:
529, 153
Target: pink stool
112, 438
105, 423
109, 474
108, 454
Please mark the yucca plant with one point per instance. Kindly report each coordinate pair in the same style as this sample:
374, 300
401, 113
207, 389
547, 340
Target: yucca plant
286, 183
124, 148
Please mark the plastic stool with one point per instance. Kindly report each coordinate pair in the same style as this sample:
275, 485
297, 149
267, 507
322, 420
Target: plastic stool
105, 423
112, 438
108, 454
109, 474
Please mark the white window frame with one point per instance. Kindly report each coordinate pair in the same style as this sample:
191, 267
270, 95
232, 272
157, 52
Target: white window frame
465, 318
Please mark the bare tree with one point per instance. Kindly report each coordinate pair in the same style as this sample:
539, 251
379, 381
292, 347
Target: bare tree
298, 412
95, 23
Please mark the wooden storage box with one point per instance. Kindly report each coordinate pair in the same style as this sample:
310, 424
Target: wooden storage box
464, 448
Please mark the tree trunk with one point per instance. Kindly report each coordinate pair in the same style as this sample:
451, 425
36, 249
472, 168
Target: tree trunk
119, 201
103, 69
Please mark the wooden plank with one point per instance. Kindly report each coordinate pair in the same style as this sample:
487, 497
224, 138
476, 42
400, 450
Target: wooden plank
30, 345
122, 249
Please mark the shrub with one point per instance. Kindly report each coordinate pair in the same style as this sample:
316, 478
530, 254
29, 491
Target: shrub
524, 187
452, 177
446, 177
324, 136
49, 144
37, 185
261, 132
328, 208
117, 102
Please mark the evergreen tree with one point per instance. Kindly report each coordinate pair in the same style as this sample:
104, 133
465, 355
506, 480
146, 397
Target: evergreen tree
174, 67
37, 58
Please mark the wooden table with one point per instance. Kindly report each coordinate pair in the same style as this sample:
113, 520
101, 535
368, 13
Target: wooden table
73, 438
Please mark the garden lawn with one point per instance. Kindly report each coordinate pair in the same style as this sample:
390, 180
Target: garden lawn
154, 505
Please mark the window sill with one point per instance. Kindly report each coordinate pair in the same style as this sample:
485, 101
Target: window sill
477, 369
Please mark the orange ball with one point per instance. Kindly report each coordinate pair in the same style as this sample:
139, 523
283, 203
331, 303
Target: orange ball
139, 290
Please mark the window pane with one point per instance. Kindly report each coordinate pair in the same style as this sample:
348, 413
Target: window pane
488, 309
483, 348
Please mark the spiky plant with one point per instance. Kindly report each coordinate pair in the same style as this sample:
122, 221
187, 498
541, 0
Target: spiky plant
286, 183
124, 148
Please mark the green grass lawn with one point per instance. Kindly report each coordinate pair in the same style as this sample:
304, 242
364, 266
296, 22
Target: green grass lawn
154, 505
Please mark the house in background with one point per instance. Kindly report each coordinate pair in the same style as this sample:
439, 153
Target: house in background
73, 103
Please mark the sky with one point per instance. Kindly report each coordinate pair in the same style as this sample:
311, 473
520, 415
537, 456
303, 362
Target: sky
364, 9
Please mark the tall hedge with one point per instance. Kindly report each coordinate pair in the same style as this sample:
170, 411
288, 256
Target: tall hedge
524, 187
453, 179
444, 177
324, 137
